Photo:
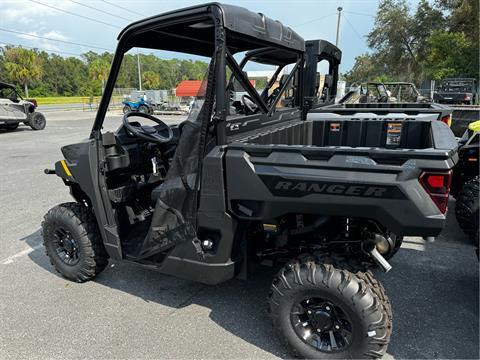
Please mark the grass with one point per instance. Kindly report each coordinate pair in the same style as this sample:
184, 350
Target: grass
56, 100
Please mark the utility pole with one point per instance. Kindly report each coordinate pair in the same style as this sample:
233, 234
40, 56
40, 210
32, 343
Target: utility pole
339, 9
139, 73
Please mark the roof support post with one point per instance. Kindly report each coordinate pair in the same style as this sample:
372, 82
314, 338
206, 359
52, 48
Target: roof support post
220, 115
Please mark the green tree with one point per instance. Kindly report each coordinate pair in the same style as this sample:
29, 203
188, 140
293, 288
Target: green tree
98, 70
399, 37
23, 66
151, 80
365, 68
449, 56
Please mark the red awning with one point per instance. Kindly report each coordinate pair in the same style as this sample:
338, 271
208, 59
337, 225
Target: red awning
188, 88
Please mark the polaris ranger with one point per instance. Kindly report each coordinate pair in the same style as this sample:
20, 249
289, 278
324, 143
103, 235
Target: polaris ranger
246, 183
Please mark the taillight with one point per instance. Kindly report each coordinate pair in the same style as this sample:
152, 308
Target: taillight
437, 185
447, 119
467, 97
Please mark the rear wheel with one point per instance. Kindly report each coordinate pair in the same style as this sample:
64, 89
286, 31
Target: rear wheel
466, 207
11, 127
37, 121
143, 109
73, 243
323, 311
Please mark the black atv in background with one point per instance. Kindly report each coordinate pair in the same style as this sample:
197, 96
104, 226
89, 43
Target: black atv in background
466, 183
256, 180
461, 91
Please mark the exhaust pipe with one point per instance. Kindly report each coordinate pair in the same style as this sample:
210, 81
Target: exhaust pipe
380, 260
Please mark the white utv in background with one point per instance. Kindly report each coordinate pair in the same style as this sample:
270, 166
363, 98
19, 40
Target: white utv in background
15, 110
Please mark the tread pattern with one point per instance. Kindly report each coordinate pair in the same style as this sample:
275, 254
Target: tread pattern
467, 205
357, 285
95, 257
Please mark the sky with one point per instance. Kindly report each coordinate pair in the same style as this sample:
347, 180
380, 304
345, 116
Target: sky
311, 19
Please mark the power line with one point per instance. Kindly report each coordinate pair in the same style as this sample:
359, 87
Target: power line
120, 7
75, 14
353, 28
51, 39
48, 50
313, 20
356, 13
99, 10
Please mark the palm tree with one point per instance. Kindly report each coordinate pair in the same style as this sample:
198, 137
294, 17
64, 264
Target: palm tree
151, 80
98, 70
23, 66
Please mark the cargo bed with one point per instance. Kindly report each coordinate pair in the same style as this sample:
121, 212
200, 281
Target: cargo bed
350, 167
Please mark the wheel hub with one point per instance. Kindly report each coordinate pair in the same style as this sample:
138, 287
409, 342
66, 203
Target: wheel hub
321, 319
322, 324
66, 247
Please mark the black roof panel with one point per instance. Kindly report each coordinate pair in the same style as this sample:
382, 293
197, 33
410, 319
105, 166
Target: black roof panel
246, 30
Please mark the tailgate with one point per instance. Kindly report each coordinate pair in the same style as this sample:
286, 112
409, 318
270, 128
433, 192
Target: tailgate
268, 181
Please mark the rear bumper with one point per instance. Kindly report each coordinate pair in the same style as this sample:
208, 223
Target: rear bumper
452, 98
347, 186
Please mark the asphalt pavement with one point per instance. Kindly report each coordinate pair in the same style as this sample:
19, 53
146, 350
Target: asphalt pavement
130, 312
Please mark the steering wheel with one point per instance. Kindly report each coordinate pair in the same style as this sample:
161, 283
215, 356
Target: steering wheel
146, 132
249, 104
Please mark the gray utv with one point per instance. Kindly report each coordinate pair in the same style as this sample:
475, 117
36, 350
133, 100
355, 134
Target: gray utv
15, 110
252, 181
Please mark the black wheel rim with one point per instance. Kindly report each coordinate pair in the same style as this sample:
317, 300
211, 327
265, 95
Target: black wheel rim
322, 325
38, 120
66, 246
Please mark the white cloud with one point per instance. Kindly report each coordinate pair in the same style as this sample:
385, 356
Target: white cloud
27, 12
52, 34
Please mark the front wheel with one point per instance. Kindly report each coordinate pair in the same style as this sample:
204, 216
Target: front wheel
73, 243
127, 109
325, 312
37, 121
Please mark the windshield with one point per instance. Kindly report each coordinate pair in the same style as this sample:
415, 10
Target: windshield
8, 93
402, 92
457, 86
160, 82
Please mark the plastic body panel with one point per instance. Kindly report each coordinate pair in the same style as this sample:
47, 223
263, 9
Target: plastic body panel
267, 181
223, 262
348, 185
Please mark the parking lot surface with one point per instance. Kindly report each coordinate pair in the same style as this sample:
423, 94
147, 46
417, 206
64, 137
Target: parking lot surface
130, 312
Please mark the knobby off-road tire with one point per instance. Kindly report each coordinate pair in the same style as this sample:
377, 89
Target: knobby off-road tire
11, 127
360, 299
466, 207
37, 121
73, 243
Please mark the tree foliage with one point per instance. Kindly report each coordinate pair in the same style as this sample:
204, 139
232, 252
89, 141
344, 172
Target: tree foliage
430, 41
54, 75
22, 66
150, 80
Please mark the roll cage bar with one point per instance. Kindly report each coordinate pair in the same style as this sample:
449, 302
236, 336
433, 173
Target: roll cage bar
214, 30
258, 99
